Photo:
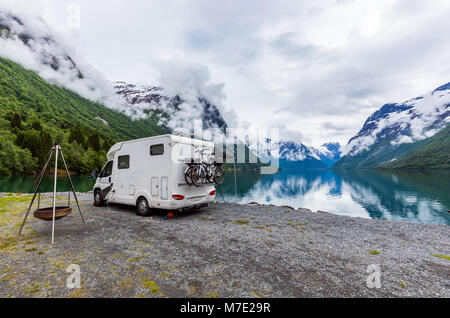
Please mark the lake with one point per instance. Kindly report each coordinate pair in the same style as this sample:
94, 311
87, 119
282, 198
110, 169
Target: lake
418, 196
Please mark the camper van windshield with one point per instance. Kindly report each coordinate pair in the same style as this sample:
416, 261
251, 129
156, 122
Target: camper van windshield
157, 150
107, 170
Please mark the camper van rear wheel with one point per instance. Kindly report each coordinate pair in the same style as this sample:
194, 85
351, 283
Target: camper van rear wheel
98, 198
143, 209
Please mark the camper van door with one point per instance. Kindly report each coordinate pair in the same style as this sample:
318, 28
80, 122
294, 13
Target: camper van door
104, 178
105, 174
123, 175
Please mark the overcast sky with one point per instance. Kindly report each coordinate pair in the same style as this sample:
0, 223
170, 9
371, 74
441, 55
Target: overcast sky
316, 68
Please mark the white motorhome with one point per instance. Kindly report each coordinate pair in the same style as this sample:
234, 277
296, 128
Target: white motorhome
150, 174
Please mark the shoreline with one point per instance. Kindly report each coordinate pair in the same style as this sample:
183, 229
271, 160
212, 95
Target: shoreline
251, 204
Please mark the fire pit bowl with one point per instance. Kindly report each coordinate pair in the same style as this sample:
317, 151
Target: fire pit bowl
46, 214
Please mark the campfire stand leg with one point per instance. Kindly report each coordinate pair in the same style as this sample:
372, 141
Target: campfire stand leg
37, 189
71, 185
54, 192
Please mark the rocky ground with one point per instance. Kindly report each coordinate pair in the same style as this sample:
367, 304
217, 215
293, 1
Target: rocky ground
228, 250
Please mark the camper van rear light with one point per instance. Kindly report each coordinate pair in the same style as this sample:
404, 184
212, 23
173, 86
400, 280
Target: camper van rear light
213, 192
178, 197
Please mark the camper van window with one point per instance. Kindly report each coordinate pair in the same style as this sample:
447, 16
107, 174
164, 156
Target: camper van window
157, 150
124, 162
107, 170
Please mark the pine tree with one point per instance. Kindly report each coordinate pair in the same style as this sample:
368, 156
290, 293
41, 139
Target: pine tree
94, 141
16, 121
37, 126
76, 134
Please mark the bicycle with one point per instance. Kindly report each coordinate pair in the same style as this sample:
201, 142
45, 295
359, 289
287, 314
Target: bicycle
188, 172
200, 173
207, 172
214, 173
219, 174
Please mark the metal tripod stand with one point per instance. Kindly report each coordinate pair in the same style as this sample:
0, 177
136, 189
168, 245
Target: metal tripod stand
56, 149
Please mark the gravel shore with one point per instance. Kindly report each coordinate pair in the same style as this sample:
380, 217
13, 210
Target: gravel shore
227, 250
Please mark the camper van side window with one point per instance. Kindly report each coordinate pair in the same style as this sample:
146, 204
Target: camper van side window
157, 150
123, 162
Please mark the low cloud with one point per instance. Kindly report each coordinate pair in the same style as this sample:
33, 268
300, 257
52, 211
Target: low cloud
59, 63
335, 127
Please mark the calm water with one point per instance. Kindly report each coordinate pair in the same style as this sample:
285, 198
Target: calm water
26, 184
401, 195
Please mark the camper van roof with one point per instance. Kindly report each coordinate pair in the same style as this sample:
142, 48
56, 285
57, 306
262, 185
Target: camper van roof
173, 138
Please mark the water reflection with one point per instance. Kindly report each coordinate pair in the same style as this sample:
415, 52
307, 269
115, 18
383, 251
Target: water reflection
419, 196
25, 184
401, 195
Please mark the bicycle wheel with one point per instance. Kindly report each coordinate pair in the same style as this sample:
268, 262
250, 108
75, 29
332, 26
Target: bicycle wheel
209, 174
197, 176
219, 176
187, 175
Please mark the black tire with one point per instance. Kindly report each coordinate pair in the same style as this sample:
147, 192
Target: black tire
197, 176
187, 175
142, 207
98, 198
218, 176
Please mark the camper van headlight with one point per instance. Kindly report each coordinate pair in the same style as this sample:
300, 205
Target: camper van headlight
213, 192
178, 197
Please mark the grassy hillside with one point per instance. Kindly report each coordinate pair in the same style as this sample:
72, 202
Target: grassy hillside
433, 153
35, 114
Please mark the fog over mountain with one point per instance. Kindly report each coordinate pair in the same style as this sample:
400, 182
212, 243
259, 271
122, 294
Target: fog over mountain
29, 41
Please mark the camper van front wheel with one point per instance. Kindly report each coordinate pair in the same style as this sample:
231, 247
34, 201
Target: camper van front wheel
143, 209
98, 198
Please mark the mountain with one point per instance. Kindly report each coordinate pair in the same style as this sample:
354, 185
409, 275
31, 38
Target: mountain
30, 42
433, 153
292, 155
47, 95
329, 153
396, 130
153, 95
35, 114
295, 155
40, 41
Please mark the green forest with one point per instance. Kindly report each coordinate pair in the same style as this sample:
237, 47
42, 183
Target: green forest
34, 115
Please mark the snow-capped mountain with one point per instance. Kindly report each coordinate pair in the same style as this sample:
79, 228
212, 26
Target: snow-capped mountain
294, 155
329, 153
396, 129
142, 96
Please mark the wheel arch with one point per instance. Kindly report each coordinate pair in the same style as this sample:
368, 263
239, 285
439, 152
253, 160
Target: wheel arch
143, 194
